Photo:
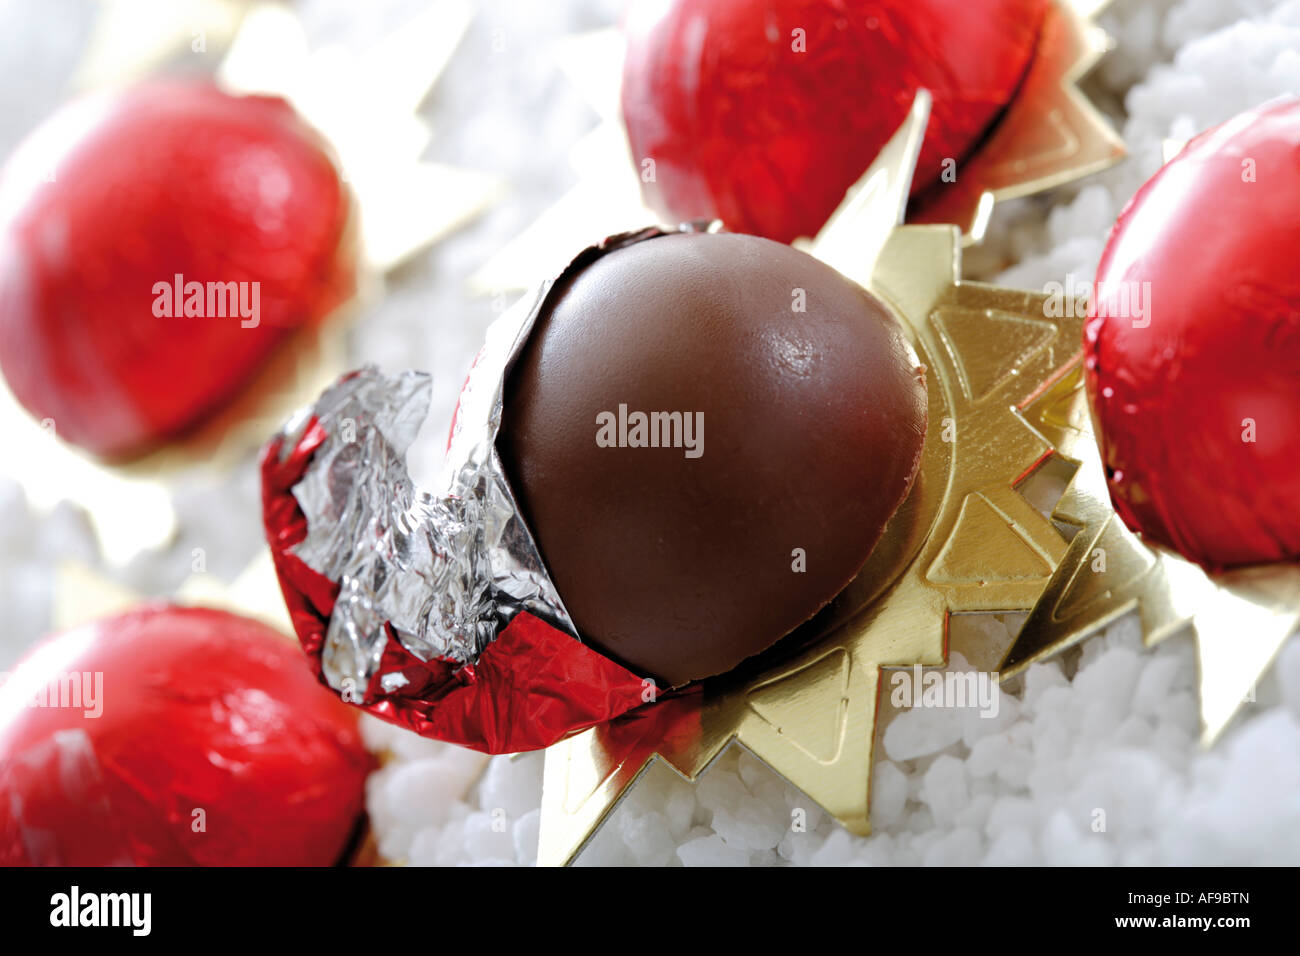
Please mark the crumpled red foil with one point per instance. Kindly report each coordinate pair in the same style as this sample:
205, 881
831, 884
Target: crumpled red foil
211, 746
531, 687
168, 178
1192, 350
744, 128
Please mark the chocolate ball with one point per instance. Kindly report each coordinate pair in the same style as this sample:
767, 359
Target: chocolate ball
1192, 349
183, 238
762, 114
707, 434
114, 733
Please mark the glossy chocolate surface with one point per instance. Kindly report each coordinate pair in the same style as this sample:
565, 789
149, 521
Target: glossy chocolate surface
795, 416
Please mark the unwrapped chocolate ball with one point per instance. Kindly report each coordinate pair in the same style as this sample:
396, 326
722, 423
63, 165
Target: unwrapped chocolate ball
707, 434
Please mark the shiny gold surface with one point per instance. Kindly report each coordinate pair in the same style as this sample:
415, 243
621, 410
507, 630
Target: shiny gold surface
366, 104
964, 541
1239, 619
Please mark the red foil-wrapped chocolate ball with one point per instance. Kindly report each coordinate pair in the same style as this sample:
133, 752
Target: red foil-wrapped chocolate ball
763, 114
175, 736
1193, 347
121, 207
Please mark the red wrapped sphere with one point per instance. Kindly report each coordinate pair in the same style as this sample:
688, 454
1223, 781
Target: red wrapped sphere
1193, 347
156, 245
763, 115
173, 736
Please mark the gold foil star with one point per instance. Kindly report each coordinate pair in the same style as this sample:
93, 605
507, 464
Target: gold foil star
366, 105
1049, 135
1240, 619
964, 541
132, 38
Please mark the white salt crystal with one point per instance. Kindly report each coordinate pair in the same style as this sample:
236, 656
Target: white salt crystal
799, 848
1287, 669
720, 788
1010, 812
979, 722
1067, 844
488, 835
606, 849
749, 826
1109, 683
1012, 847
647, 836
421, 791
679, 809
960, 847
66, 534
1133, 731
525, 833
888, 794
988, 754
710, 851
878, 850
424, 848
512, 784
975, 812
922, 731
779, 798
1040, 678
838, 850
1154, 683
944, 789
752, 770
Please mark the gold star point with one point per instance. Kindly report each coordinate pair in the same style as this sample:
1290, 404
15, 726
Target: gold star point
1050, 134
1239, 619
129, 39
365, 103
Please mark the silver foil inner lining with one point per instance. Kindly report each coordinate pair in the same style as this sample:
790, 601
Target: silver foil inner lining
446, 572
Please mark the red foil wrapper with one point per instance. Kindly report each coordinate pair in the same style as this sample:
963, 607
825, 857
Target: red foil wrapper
763, 115
533, 685
156, 246
1193, 347
173, 736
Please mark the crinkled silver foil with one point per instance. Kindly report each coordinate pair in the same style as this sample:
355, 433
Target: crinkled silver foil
445, 571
